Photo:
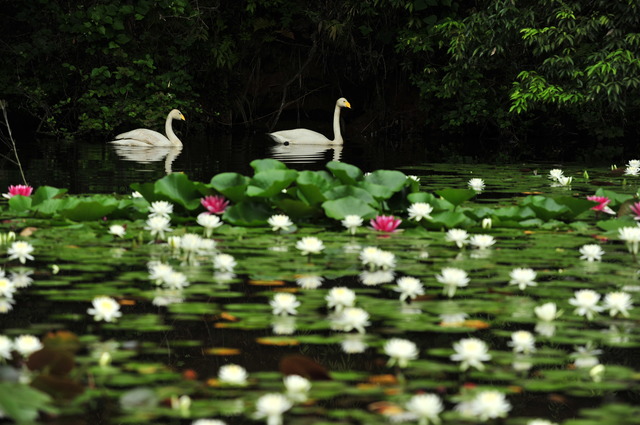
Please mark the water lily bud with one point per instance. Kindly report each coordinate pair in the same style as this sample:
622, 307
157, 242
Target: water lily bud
487, 223
596, 372
55, 269
105, 359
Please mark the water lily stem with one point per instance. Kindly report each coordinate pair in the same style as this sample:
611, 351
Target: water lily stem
3, 105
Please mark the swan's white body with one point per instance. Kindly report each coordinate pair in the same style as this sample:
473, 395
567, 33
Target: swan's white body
303, 136
146, 137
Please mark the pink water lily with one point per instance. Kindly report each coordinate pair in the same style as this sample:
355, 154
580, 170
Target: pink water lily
21, 189
603, 203
635, 209
215, 204
385, 223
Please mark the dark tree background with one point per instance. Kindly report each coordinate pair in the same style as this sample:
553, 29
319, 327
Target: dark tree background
501, 78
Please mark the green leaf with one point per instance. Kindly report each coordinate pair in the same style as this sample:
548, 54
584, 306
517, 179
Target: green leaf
546, 208
353, 191
248, 213
269, 183
46, 192
177, 188
392, 180
346, 173
22, 403
340, 208
266, 164
19, 203
456, 196
87, 209
312, 185
448, 219
231, 185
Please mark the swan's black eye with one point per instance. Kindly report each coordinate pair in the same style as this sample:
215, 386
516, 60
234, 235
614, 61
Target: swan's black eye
286, 143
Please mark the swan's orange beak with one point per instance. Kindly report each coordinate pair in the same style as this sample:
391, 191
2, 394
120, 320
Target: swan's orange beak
347, 104
182, 117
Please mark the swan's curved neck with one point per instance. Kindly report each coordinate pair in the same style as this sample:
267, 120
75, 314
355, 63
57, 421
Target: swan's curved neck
168, 128
336, 127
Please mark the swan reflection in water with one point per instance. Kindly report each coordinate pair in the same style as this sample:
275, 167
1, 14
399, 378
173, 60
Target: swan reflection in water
146, 155
304, 154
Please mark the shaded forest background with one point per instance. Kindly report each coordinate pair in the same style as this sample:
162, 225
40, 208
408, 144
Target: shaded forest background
509, 79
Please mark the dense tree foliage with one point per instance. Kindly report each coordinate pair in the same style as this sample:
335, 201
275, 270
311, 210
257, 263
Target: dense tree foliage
502, 68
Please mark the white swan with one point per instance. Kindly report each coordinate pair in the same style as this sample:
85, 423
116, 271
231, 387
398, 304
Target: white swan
303, 136
146, 137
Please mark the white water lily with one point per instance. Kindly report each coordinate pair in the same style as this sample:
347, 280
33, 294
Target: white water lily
233, 374
21, 251
104, 308
522, 342
175, 280
586, 356
297, 387
426, 407
210, 222
470, 352
618, 303
158, 272
352, 222
522, 277
310, 281
476, 184
482, 241
457, 236
487, 223
224, 262
591, 252
160, 209
556, 174
586, 303
409, 287
117, 230
490, 405
27, 344
547, 312
352, 318
158, 225
284, 303
310, 245
7, 287
272, 406
208, 422
400, 352
631, 237
540, 422
452, 278
376, 258
420, 211
353, 344
340, 297
376, 278
6, 346
279, 222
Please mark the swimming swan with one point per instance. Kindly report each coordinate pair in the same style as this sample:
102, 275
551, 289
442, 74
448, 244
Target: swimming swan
303, 136
146, 137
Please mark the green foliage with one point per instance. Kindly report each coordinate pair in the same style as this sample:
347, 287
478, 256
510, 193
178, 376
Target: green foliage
552, 64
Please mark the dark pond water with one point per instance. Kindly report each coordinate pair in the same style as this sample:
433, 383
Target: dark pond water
98, 167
